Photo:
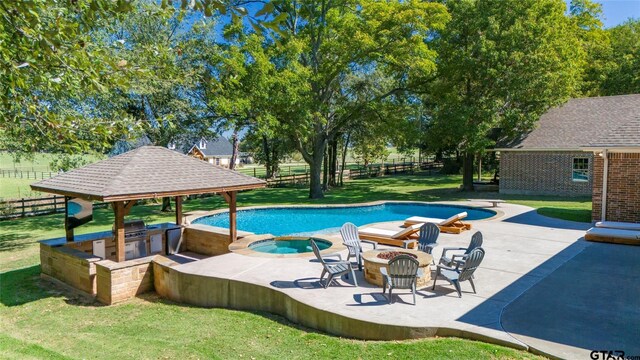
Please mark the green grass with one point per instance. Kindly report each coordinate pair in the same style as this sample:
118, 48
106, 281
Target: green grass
42, 321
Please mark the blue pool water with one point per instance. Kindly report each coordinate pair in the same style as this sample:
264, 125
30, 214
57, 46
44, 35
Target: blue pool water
309, 220
291, 246
74, 208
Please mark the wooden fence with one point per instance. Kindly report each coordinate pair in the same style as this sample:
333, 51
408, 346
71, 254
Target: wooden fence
48, 205
20, 174
34, 206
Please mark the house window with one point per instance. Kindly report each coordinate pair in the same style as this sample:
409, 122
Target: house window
580, 169
217, 161
203, 144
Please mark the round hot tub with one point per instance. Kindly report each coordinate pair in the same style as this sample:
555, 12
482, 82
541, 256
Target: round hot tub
288, 245
268, 245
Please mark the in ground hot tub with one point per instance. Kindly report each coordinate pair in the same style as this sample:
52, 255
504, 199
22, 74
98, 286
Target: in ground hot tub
283, 246
288, 245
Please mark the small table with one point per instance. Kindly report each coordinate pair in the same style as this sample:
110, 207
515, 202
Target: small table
372, 264
493, 202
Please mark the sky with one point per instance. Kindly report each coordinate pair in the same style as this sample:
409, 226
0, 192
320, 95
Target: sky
615, 12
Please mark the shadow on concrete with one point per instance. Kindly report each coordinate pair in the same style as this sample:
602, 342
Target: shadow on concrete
311, 283
585, 297
534, 219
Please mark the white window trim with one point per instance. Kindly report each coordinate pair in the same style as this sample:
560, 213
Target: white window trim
203, 144
573, 169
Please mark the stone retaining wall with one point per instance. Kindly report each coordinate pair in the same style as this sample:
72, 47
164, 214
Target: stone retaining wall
206, 240
71, 266
117, 282
209, 291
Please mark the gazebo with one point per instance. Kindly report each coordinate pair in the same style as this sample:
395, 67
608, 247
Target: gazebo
145, 173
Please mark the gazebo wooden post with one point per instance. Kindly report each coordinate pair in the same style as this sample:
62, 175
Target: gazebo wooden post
118, 211
67, 226
178, 210
230, 198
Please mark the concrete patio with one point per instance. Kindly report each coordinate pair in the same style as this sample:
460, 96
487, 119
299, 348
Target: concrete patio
537, 277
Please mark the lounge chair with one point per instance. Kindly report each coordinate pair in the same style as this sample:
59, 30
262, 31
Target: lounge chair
334, 268
618, 225
351, 240
463, 272
403, 273
616, 236
390, 237
453, 225
454, 260
427, 239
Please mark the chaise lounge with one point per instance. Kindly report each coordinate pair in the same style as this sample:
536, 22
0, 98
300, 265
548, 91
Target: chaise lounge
391, 237
452, 225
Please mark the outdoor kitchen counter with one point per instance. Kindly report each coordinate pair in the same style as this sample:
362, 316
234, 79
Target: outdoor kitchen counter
152, 229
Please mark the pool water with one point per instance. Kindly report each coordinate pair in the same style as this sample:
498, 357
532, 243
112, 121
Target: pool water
74, 208
293, 246
303, 221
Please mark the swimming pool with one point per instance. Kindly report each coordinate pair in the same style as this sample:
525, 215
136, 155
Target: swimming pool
309, 220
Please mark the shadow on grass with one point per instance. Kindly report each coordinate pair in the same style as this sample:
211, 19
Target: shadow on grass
18, 287
22, 286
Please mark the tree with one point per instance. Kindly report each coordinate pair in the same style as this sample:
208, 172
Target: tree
502, 63
595, 43
336, 39
624, 76
48, 57
162, 74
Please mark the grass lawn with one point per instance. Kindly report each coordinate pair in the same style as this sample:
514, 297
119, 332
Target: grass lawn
41, 321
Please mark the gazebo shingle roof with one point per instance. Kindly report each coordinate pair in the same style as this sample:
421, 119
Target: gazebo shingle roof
146, 172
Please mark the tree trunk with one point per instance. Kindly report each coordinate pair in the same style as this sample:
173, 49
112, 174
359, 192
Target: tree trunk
234, 154
344, 157
267, 155
333, 161
166, 204
325, 169
467, 171
315, 168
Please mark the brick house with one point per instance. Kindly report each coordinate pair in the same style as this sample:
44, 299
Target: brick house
570, 148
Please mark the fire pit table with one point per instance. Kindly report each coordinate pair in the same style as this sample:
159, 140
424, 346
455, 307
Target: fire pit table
373, 262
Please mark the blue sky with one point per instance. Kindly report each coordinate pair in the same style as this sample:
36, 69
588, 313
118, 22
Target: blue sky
615, 12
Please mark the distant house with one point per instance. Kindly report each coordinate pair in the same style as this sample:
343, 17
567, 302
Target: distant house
588, 146
216, 151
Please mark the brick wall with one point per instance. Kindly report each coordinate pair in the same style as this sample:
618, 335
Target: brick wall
623, 187
117, 282
542, 173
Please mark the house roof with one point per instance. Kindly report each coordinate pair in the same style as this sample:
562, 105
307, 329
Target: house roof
146, 172
219, 146
586, 122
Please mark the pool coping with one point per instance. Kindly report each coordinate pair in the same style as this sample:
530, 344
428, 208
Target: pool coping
498, 213
242, 246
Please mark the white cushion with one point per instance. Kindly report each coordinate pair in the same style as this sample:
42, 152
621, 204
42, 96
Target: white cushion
390, 233
379, 232
618, 225
441, 222
614, 233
